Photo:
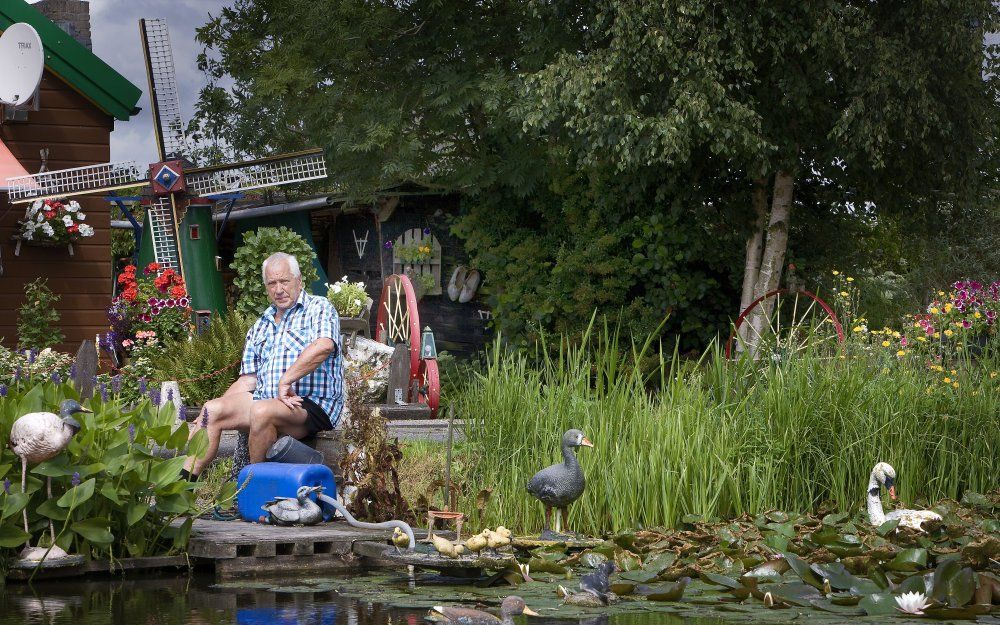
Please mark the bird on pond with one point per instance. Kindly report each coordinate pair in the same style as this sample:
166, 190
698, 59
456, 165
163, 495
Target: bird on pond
36, 437
561, 484
598, 583
298, 510
510, 607
884, 475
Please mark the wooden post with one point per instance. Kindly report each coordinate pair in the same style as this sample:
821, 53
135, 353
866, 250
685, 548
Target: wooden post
447, 466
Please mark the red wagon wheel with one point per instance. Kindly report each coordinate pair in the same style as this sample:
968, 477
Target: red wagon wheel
787, 323
398, 321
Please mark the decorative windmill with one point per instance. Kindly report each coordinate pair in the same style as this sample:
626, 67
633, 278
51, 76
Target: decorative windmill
181, 195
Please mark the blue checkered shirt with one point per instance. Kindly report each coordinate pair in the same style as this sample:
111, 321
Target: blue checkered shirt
271, 349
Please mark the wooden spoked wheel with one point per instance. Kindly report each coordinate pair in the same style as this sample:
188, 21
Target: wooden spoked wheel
782, 324
398, 322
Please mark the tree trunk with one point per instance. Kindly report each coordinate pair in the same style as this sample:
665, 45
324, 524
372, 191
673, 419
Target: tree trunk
773, 256
755, 247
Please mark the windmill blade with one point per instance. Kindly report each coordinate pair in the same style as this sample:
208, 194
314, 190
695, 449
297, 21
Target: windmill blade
162, 228
265, 172
167, 123
75, 181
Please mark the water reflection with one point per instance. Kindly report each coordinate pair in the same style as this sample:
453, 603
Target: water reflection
193, 601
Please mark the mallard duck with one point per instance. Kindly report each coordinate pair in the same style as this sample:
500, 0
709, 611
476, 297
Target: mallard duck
476, 543
561, 484
884, 475
300, 510
509, 608
447, 548
39, 436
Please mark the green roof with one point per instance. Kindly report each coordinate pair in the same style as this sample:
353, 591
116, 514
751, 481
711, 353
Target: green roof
76, 65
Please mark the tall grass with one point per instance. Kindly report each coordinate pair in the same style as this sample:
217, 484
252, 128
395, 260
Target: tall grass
719, 438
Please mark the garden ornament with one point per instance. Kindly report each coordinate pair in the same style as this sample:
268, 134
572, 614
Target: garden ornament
37, 437
384, 525
477, 542
509, 608
469, 288
885, 475
300, 510
561, 484
456, 282
399, 539
585, 599
447, 548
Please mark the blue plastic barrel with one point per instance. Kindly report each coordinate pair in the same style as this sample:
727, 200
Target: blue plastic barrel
268, 480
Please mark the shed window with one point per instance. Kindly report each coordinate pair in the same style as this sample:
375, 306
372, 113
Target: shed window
194, 234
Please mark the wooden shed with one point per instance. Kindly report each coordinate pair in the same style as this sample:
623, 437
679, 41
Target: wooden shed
71, 117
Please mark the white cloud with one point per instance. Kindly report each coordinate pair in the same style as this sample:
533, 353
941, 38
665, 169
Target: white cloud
114, 28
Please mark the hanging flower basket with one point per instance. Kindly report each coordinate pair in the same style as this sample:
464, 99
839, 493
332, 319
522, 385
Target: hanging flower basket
52, 223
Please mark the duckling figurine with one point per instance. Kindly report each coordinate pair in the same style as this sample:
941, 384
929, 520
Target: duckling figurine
476, 543
509, 608
400, 539
561, 484
496, 540
446, 548
300, 510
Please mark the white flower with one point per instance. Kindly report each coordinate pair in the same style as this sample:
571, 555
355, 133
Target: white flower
344, 279
73, 206
86, 231
47, 229
28, 235
67, 220
357, 302
30, 226
337, 288
36, 206
81, 216
41, 218
912, 602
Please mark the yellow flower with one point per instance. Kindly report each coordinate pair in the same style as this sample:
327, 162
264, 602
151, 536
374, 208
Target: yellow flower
947, 380
954, 384
886, 343
976, 315
850, 279
836, 273
856, 329
844, 294
993, 374
948, 332
953, 372
958, 324
901, 352
941, 293
895, 335
916, 325
934, 311
937, 335
948, 307
922, 339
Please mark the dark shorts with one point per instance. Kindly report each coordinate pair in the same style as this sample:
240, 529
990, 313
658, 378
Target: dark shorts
316, 418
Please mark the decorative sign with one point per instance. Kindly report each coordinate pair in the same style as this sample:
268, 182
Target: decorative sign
360, 244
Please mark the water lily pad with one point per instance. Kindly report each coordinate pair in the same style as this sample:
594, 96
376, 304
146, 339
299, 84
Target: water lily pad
669, 592
916, 583
622, 588
976, 500
801, 568
592, 559
879, 604
720, 580
909, 560
777, 516
887, 528
769, 569
953, 584
969, 612
785, 529
840, 578
834, 519
541, 565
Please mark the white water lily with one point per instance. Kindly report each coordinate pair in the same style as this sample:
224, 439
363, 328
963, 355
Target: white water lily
912, 602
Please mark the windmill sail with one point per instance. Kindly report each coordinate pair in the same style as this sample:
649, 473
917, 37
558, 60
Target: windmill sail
162, 229
74, 181
264, 172
167, 121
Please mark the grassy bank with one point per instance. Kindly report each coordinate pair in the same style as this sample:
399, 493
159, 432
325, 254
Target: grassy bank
720, 438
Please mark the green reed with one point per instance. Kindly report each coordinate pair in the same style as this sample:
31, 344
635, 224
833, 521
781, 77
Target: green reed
717, 437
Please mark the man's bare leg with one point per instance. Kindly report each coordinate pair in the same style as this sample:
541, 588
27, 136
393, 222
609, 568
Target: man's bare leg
270, 418
229, 412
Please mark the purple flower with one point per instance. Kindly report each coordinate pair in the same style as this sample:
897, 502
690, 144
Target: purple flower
388, 245
184, 302
17, 374
204, 417
31, 356
56, 377
75, 480
6, 485
966, 323
131, 432
170, 394
154, 395
72, 370
116, 384
151, 301
3, 390
427, 230
104, 392
142, 386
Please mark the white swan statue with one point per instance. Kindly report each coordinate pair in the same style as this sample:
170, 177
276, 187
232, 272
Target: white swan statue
884, 475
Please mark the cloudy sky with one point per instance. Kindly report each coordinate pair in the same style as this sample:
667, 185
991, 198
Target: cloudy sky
115, 29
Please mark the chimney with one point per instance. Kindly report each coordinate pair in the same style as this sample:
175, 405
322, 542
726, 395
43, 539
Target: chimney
73, 16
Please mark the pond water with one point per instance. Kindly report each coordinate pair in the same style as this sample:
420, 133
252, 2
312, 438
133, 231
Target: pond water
198, 601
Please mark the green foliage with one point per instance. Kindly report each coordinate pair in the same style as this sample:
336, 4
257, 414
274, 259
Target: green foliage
37, 318
30, 367
348, 298
257, 246
217, 351
721, 438
112, 496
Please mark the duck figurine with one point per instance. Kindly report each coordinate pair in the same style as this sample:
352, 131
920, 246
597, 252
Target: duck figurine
400, 539
561, 484
496, 540
598, 583
884, 475
446, 548
36, 437
510, 607
477, 542
298, 510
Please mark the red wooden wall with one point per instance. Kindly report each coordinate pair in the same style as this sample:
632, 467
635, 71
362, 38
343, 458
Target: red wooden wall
76, 133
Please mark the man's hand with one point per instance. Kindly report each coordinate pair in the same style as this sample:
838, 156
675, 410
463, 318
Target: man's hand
287, 396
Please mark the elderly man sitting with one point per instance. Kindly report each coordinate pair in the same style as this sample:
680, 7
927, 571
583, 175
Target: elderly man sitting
291, 381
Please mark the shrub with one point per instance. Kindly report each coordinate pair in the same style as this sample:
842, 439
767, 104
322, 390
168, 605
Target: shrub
37, 318
257, 246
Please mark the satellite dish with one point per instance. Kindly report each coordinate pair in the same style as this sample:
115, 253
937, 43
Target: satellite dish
21, 63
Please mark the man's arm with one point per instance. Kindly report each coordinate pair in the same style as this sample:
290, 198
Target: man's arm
307, 362
246, 383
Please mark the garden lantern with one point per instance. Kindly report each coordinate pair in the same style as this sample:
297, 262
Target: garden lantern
428, 350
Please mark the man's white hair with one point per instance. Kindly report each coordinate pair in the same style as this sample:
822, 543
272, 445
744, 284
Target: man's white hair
293, 264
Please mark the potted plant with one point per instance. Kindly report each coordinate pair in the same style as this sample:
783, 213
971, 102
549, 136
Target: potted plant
352, 303
413, 253
52, 223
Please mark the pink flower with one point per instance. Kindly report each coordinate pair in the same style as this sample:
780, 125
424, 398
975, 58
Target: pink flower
966, 323
929, 329
903, 342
